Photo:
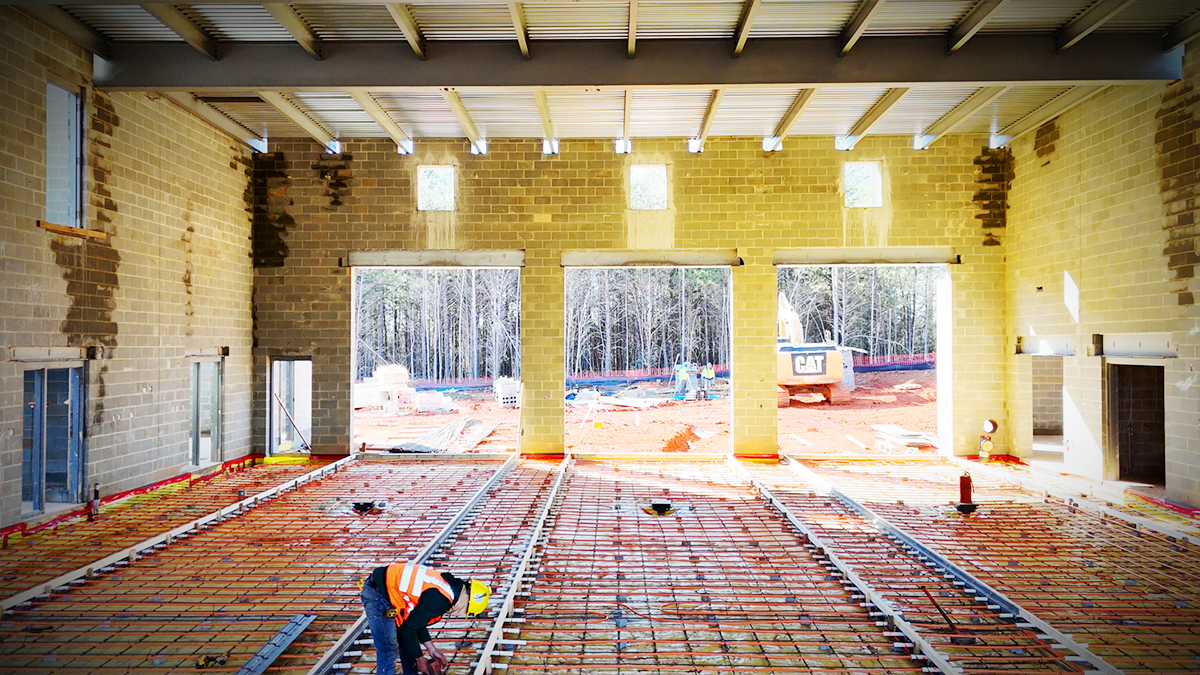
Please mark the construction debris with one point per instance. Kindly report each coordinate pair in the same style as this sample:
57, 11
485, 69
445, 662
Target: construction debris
436, 441
891, 438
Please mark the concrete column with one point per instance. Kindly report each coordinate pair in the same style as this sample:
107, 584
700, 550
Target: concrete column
542, 360
753, 359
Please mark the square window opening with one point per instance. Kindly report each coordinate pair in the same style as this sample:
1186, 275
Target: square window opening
435, 188
863, 185
648, 187
63, 150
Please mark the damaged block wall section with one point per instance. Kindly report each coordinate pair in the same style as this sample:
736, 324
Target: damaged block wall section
173, 273
517, 198
994, 180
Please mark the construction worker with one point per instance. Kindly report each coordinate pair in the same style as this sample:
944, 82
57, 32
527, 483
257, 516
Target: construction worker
415, 596
707, 375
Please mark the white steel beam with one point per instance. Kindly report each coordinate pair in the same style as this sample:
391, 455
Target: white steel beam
217, 119
292, 23
749, 10
973, 22
859, 22
714, 102
1065, 101
370, 106
1094, 17
549, 137
864, 124
961, 113
631, 48
301, 119
519, 27
478, 143
77, 31
407, 25
182, 26
1182, 32
775, 141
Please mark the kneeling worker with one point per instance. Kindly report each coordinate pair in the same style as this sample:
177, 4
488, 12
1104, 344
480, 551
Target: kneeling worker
415, 596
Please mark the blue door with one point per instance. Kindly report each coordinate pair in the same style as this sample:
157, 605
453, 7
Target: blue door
52, 447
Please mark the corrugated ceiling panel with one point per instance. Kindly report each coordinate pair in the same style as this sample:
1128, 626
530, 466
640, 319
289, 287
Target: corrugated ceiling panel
692, 19
1035, 16
577, 20
464, 22
919, 109
123, 22
260, 117
918, 17
250, 23
587, 114
504, 114
751, 112
349, 22
1012, 106
833, 111
1151, 15
421, 114
340, 114
820, 18
670, 113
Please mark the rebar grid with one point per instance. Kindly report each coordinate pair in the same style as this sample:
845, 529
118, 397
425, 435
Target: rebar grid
720, 583
973, 637
48, 554
1133, 596
227, 590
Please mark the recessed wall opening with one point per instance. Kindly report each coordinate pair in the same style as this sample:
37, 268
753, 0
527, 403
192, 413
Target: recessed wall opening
857, 353
290, 405
437, 359
52, 440
207, 412
647, 359
1139, 422
1047, 406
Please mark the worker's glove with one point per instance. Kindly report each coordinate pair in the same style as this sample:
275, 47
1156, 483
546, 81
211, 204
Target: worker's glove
429, 667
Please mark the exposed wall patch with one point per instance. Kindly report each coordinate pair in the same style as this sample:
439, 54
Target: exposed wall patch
991, 199
1044, 138
1179, 185
270, 204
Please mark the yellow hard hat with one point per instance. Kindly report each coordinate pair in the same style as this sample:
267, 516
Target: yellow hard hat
478, 600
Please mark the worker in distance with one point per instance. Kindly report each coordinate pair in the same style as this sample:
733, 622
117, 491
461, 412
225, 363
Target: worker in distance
401, 600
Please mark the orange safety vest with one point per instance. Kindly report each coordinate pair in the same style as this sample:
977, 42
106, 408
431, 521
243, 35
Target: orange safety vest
407, 581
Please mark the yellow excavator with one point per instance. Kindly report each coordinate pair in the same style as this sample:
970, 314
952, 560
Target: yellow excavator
815, 367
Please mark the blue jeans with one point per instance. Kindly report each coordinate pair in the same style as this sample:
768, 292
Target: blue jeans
383, 634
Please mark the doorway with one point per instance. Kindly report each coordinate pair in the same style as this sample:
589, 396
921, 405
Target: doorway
205, 440
1139, 422
1047, 406
52, 440
290, 420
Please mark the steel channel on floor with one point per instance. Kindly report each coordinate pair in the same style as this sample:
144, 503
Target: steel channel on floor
718, 583
1132, 596
971, 630
230, 588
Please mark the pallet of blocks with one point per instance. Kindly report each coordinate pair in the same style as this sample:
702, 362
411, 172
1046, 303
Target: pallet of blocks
895, 440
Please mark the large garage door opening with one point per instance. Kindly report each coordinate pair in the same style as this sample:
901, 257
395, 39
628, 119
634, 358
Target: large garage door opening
437, 359
647, 359
857, 355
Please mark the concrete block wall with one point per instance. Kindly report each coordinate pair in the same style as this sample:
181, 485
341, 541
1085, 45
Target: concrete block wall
1108, 208
1047, 398
315, 208
174, 275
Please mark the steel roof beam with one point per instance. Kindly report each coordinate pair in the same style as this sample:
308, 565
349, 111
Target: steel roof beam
182, 26
859, 22
632, 46
1064, 102
1182, 32
974, 22
744, 25
370, 106
519, 27
217, 119
75, 30
1094, 17
292, 23
877, 111
991, 60
301, 119
961, 113
784, 128
407, 25
714, 103
548, 135
478, 144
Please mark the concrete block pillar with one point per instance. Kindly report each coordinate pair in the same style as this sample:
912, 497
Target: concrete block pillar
755, 303
543, 365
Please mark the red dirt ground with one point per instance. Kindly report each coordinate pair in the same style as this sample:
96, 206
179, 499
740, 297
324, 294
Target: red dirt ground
876, 401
